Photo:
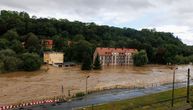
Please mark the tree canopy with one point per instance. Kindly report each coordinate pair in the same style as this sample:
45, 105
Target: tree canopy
140, 58
75, 37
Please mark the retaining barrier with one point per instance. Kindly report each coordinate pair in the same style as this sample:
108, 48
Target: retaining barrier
32, 103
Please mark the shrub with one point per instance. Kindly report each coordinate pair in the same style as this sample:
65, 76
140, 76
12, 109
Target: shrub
80, 94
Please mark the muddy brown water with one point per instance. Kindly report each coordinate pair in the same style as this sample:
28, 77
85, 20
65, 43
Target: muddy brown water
26, 86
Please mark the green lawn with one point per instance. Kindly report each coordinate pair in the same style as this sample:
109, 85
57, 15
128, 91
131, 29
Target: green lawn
148, 102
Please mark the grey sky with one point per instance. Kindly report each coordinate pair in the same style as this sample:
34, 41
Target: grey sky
164, 15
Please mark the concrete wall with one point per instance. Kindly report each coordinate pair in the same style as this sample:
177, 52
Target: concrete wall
53, 57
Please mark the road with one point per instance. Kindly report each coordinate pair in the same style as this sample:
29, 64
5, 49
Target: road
106, 97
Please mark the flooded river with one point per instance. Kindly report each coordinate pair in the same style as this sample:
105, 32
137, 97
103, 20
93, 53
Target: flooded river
25, 86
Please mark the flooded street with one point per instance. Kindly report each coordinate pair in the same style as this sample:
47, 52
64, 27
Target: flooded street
25, 86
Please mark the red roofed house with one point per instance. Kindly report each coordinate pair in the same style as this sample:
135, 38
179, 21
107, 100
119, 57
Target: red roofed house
47, 43
115, 56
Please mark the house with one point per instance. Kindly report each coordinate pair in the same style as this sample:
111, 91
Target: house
115, 56
47, 43
54, 58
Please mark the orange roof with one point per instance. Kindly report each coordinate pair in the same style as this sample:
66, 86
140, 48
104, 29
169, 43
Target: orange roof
109, 51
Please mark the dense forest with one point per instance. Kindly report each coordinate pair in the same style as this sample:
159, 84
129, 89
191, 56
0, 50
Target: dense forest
76, 38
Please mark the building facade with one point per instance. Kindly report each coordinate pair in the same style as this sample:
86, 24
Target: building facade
115, 56
47, 43
54, 58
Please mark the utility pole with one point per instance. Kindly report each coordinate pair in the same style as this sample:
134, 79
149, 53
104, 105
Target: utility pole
86, 83
188, 87
174, 72
62, 89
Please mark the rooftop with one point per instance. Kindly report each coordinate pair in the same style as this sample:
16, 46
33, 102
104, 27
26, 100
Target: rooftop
107, 51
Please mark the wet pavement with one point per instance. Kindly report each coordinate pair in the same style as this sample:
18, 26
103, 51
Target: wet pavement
106, 97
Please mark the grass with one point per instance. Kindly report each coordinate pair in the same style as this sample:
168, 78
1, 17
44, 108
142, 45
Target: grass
148, 102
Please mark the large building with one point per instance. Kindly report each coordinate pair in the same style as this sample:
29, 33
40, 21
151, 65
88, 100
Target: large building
54, 58
115, 56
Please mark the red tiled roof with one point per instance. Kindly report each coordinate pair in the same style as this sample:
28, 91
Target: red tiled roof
48, 41
108, 51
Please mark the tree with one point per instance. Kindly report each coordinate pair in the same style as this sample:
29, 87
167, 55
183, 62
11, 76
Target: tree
11, 35
6, 52
58, 43
11, 63
17, 46
97, 64
9, 60
1, 66
33, 43
80, 49
161, 47
4, 43
31, 61
140, 58
87, 62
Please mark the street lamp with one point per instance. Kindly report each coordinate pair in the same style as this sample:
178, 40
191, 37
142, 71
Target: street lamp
86, 82
174, 72
188, 85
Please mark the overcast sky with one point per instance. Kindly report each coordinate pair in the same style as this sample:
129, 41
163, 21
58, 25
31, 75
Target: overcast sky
174, 16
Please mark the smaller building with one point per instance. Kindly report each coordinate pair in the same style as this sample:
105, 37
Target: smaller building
47, 43
54, 58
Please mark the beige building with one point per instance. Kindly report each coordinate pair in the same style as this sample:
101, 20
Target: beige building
115, 56
54, 58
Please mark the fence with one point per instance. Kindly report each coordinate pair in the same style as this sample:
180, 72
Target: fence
151, 106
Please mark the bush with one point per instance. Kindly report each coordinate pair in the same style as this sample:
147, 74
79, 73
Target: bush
80, 94
31, 61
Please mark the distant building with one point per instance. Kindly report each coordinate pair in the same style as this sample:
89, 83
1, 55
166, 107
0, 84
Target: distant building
115, 56
47, 43
54, 58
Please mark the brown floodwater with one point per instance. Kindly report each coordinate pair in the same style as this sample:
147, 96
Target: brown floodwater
25, 86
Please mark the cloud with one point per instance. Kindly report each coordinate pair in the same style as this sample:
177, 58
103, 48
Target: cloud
185, 33
165, 15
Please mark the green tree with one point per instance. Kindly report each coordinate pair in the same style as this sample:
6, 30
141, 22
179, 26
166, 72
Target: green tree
11, 63
4, 43
78, 37
97, 64
58, 43
79, 49
17, 46
87, 62
9, 60
11, 35
31, 61
32, 43
140, 58
1, 66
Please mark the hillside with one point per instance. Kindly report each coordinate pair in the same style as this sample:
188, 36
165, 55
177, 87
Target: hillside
161, 47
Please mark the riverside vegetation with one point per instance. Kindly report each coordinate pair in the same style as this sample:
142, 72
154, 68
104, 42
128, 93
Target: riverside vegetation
77, 40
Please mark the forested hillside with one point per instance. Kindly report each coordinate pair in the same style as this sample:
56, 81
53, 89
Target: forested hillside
77, 38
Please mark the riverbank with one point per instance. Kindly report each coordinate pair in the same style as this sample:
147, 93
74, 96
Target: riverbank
108, 96
25, 86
